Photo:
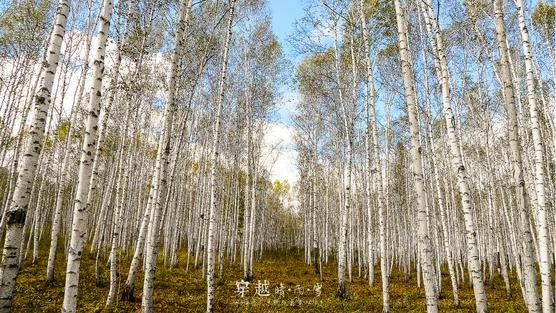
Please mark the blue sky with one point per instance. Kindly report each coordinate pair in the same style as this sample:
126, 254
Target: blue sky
280, 133
284, 14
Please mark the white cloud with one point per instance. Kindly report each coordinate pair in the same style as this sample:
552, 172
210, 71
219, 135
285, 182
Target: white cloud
66, 82
279, 155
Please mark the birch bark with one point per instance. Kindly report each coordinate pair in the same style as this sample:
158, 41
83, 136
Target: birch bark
159, 187
425, 250
527, 254
442, 73
78, 227
345, 207
16, 213
56, 222
542, 229
214, 160
376, 170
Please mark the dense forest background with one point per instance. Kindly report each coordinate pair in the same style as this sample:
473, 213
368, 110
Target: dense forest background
138, 140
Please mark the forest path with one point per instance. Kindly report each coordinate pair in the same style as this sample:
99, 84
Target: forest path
181, 291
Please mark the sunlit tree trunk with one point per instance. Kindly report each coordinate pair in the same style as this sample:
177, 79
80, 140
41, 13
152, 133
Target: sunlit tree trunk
16, 213
442, 73
56, 219
343, 249
159, 192
542, 227
214, 160
375, 168
425, 252
122, 167
448, 249
249, 170
78, 227
527, 257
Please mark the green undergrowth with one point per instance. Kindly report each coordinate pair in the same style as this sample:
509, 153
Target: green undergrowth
179, 291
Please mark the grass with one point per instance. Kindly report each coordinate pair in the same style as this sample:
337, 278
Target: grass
181, 291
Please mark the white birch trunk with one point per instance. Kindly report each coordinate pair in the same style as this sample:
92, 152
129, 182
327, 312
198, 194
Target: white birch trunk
425, 252
542, 227
78, 227
213, 164
56, 222
16, 213
527, 254
442, 73
345, 206
376, 169
160, 183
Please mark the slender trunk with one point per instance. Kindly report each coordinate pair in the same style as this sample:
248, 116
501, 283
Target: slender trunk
117, 216
78, 227
376, 170
56, 219
15, 215
214, 160
159, 193
442, 72
425, 253
527, 253
542, 227
345, 208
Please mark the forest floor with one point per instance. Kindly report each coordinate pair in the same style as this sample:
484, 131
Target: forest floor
181, 291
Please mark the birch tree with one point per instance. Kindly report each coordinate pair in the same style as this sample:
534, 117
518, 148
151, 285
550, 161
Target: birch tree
425, 146
376, 170
542, 227
529, 276
442, 72
425, 252
214, 160
15, 215
159, 185
78, 227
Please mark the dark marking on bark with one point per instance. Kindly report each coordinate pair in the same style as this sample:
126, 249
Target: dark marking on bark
16, 217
